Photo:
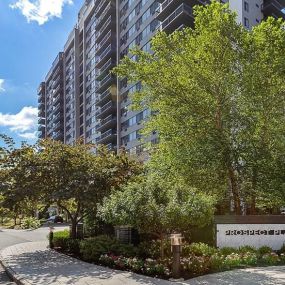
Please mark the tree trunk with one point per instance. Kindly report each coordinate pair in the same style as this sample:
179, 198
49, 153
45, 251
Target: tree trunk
253, 193
235, 191
73, 229
253, 205
161, 246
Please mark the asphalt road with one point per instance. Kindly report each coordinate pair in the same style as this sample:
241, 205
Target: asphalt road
11, 237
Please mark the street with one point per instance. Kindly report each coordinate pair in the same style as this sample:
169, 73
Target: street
12, 237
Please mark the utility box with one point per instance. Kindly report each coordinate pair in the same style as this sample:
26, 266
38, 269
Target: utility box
127, 235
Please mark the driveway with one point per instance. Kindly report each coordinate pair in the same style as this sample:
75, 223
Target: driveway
13, 237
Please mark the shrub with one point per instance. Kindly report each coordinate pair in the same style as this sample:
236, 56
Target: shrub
228, 250
282, 249
270, 258
246, 248
151, 249
249, 258
232, 260
73, 246
282, 258
195, 265
198, 249
154, 268
136, 265
60, 239
92, 248
106, 260
30, 223
264, 249
149, 266
216, 262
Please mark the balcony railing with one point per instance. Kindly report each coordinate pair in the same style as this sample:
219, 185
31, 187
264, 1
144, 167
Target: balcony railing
103, 41
103, 28
182, 9
103, 96
105, 135
103, 54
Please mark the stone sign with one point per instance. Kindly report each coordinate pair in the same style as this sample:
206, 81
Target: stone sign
256, 235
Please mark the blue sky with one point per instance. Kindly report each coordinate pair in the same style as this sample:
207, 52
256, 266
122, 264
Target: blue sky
32, 32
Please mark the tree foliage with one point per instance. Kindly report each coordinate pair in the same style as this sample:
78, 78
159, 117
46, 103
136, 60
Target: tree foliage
154, 206
76, 178
217, 95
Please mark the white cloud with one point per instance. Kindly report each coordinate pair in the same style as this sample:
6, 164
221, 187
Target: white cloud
23, 123
2, 89
29, 136
40, 10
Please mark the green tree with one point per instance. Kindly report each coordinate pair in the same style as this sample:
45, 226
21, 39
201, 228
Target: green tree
18, 185
78, 177
153, 206
211, 90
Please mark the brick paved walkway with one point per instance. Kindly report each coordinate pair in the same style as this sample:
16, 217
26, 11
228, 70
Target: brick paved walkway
35, 264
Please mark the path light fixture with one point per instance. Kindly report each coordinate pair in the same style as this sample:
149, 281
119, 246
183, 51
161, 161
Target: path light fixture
176, 247
51, 245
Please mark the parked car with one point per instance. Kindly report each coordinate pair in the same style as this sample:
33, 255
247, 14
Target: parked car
55, 219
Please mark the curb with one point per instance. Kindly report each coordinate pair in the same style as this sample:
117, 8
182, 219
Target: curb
12, 274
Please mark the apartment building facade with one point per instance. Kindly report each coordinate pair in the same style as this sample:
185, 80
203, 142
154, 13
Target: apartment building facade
94, 103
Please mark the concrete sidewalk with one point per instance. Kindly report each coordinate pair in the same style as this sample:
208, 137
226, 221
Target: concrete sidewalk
34, 264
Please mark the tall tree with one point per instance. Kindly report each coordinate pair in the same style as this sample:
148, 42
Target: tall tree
207, 87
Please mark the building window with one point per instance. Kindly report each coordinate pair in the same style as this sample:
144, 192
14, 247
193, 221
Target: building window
246, 22
246, 6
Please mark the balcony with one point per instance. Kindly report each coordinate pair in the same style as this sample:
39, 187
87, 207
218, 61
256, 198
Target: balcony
167, 7
41, 128
41, 105
107, 137
41, 98
111, 146
107, 81
104, 56
182, 15
103, 98
102, 19
103, 30
56, 118
104, 69
103, 42
41, 113
57, 135
107, 123
41, 121
58, 126
41, 134
57, 99
274, 8
57, 108
100, 8
106, 109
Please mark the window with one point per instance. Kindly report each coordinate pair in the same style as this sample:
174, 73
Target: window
246, 22
246, 6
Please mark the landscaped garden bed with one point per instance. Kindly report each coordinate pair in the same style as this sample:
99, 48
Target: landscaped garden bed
196, 258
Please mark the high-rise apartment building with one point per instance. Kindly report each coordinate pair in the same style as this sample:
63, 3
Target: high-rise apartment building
51, 105
81, 98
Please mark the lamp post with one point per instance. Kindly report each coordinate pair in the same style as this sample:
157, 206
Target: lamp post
176, 245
